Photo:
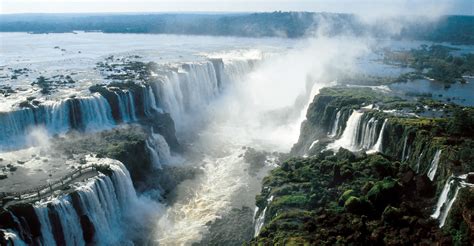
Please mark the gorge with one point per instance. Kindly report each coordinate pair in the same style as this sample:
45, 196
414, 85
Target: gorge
195, 140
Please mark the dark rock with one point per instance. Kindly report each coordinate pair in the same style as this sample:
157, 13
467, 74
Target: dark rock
391, 215
470, 178
424, 186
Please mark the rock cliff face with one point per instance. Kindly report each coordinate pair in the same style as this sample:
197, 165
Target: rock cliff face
405, 169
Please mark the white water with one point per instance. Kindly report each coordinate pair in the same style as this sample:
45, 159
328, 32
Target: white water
41, 211
193, 86
182, 92
360, 135
335, 126
237, 118
404, 149
448, 197
418, 162
378, 147
240, 117
259, 222
434, 165
13, 237
369, 134
313, 144
159, 150
348, 139
96, 113
104, 199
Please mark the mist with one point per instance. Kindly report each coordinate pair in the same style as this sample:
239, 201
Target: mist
263, 111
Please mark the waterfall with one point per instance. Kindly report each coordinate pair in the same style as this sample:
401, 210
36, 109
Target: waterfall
236, 70
313, 144
259, 222
152, 97
378, 147
360, 134
188, 89
56, 116
14, 124
96, 113
418, 163
102, 199
348, 138
368, 134
91, 113
180, 92
131, 106
159, 150
448, 197
404, 148
434, 165
41, 211
13, 238
335, 125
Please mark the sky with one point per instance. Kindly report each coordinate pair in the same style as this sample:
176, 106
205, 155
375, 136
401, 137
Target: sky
364, 7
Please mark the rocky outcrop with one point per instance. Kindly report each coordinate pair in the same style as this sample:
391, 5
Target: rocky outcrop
383, 193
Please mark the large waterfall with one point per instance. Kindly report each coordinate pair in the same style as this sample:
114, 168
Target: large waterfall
448, 197
360, 133
93, 213
180, 92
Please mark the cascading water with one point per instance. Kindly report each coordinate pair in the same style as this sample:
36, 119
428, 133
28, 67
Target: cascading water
368, 134
360, 134
92, 113
434, 165
179, 93
448, 197
190, 88
102, 199
404, 149
159, 150
418, 163
378, 147
348, 138
13, 238
335, 125
261, 218
96, 113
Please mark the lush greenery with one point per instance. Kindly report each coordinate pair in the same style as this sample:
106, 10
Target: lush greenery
436, 62
347, 198
342, 199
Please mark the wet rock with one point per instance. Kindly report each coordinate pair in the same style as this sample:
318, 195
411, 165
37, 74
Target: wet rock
424, 186
470, 178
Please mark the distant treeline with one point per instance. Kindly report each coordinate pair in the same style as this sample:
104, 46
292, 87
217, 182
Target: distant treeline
455, 29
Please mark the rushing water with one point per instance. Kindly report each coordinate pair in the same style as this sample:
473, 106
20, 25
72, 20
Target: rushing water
222, 94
